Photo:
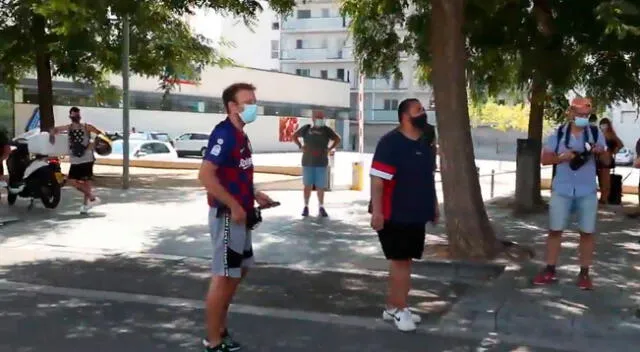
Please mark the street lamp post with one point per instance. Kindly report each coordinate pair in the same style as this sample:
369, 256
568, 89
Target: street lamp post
125, 103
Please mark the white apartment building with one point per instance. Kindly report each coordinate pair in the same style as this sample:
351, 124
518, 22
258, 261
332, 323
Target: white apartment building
315, 41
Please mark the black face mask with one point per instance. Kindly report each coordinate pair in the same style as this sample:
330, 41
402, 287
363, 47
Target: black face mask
74, 119
420, 121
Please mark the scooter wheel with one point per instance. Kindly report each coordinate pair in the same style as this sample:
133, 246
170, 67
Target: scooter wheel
51, 199
11, 198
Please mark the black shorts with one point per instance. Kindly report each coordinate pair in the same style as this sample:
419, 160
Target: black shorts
81, 172
402, 241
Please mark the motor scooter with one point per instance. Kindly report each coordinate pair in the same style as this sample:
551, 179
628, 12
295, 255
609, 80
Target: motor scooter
33, 177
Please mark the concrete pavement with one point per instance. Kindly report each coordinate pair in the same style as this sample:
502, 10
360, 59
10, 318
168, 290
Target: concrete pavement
337, 258
62, 323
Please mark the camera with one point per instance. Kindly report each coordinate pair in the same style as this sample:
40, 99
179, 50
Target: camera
579, 159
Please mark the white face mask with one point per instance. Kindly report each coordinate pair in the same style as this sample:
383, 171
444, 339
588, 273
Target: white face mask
318, 123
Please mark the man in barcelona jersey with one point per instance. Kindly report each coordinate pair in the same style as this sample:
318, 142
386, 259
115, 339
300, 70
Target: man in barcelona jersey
403, 200
227, 175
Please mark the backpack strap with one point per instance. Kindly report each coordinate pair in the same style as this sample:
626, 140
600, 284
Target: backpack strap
559, 135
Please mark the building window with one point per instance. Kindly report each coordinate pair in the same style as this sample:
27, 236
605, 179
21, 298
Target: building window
340, 74
303, 72
304, 13
275, 26
391, 104
299, 44
275, 49
325, 13
324, 74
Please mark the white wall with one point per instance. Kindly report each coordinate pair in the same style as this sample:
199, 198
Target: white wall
252, 46
264, 132
626, 121
271, 86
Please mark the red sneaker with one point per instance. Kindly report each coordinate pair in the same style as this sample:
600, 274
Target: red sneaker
584, 282
545, 278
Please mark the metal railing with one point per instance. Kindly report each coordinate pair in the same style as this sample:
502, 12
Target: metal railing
495, 174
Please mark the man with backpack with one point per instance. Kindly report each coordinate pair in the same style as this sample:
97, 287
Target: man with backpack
81, 157
572, 150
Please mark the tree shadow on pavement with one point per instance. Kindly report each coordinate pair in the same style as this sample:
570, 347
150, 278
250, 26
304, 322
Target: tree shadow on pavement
333, 292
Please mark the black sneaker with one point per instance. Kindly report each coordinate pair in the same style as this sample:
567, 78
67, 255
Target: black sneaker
305, 211
227, 341
220, 348
323, 213
231, 344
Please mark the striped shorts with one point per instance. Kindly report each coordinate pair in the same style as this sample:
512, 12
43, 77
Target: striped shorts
232, 247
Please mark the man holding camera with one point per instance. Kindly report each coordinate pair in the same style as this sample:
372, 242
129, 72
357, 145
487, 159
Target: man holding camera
572, 150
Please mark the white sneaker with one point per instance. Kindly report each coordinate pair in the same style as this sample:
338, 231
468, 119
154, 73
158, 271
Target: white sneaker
84, 210
93, 203
402, 318
388, 315
3, 184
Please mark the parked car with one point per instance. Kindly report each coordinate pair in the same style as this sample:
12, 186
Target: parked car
192, 144
144, 149
148, 136
624, 157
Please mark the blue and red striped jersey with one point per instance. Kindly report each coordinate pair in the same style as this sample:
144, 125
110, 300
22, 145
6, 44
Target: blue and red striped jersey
230, 150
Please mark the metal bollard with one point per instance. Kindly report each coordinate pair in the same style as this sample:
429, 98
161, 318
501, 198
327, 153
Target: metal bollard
330, 171
493, 184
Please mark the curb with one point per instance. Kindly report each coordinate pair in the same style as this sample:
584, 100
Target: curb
157, 164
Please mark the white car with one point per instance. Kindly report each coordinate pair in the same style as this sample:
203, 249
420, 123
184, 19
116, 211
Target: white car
145, 150
624, 157
192, 144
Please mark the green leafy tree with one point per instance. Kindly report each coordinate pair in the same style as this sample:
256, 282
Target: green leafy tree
540, 48
434, 32
547, 49
82, 39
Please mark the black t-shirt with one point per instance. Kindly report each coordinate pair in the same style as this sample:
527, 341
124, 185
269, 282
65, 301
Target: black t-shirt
407, 170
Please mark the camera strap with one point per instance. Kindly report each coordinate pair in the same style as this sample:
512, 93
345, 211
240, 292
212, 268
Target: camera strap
563, 131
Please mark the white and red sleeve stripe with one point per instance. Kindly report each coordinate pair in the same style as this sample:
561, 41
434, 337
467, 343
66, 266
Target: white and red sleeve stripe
382, 170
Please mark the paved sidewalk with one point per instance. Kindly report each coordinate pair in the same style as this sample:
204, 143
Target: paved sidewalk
603, 318
61, 324
317, 255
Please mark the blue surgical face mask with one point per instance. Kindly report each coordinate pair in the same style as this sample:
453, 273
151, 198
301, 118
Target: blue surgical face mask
318, 123
581, 121
250, 113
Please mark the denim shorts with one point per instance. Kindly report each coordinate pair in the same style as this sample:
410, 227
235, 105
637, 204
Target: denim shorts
561, 208
314, 176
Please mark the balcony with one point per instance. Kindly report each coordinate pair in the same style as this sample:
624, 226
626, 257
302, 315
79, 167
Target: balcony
312, 54
315, 24
381, 84
381, 115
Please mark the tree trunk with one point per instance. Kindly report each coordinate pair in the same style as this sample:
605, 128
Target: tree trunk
468, 228
43, 69
528, 197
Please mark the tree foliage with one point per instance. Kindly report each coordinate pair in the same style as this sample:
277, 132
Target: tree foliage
499, 116
82, 39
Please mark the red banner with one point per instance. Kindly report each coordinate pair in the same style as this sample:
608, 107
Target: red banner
288, 126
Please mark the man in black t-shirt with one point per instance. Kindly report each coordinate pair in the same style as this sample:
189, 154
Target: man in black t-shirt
403, 201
